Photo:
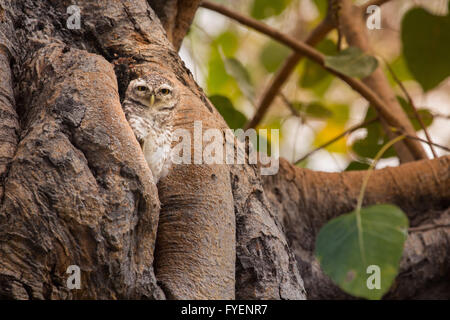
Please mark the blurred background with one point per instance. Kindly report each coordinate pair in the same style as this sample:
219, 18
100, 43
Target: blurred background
234, 65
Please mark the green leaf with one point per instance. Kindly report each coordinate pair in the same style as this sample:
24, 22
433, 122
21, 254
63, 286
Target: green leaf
322, 6
235, 69
426, 46
341, 113
345, 259
314, 76
352, 62
228, 41
313, 109
272, 55
262, 9
375, 139
425, 115
234, 118
400, 69
372, 143
218, 81
356, 165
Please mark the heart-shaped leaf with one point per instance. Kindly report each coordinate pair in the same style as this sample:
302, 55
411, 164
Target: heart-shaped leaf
363, 261
352, 62
426, 46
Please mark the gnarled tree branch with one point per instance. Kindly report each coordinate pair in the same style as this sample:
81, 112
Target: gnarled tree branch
305, 200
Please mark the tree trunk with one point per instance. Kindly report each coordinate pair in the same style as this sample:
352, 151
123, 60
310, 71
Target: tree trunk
75, 188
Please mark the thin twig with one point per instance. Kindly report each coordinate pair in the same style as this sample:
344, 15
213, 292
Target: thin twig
291, 107
289, 41
413, 106
319, 58
303, 121
429, 227
420, 139
440, 115
284, 72
338, 137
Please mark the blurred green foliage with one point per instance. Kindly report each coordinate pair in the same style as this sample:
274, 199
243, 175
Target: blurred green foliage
352, 62
233, 117
315, 77
272, 55
262, 9
241, 63
426, 46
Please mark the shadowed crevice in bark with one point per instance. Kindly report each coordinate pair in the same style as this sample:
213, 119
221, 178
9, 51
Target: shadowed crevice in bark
265, 267
176, 17
71, 196
77, 189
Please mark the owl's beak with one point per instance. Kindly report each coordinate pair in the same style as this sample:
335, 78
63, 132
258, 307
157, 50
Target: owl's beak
152, 100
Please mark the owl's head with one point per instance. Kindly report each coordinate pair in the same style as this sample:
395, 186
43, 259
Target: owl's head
154, 92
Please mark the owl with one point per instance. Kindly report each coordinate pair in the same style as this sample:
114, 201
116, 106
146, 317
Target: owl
149, 107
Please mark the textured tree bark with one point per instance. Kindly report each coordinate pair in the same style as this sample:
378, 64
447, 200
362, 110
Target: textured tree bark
305, 200
75, 188
72, 195
176, 17
10, 124
86, 182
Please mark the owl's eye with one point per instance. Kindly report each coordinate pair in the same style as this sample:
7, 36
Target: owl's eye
164, 91
141, 88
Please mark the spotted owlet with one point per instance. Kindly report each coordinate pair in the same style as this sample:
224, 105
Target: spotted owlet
149, 104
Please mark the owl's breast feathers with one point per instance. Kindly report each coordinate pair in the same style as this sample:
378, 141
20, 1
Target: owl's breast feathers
157, 152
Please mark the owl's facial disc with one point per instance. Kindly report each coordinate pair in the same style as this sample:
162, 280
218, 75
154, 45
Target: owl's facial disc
164, 91
142, 91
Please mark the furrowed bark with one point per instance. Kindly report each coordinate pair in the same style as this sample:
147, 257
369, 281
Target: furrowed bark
196, 234
176, 17
196, 237
305, 200
58, 209
78, 191
9, 126
265, 268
